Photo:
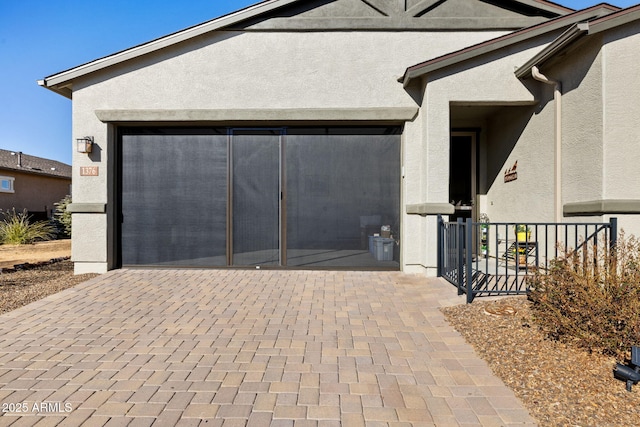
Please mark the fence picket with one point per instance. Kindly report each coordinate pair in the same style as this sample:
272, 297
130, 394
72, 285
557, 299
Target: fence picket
500, 273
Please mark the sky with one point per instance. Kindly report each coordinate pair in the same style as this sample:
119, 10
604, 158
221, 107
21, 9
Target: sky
39, 38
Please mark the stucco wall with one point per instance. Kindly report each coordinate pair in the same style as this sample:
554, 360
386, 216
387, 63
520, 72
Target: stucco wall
599, 121
489, 80
257, 70
33, 192
621, 119
582, 119
600, 82
527, 135
524, 135
621, 116
273, 70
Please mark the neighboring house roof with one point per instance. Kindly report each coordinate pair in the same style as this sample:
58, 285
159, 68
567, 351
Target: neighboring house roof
62, 82
578, 32
20, 162
501, 42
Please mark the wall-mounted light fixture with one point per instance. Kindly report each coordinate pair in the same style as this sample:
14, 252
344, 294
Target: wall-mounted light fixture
84, 145
629, 373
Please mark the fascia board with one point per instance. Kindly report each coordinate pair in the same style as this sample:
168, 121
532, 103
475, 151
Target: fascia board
617, 19
556, 46
576, 32
469, 53
163, 42
502, 42
62, 90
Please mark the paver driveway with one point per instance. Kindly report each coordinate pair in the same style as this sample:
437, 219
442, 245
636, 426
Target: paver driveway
238, 347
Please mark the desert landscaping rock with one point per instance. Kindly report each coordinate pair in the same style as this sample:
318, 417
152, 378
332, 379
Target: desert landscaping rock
23, 287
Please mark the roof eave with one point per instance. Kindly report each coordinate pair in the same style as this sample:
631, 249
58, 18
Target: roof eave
576, 32
624, 16
62, 90
568, 37
492, 45
34, 172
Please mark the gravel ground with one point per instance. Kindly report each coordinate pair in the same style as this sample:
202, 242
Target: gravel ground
559, 385
23, 287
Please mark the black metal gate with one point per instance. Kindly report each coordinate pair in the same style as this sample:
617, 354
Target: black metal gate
482, 258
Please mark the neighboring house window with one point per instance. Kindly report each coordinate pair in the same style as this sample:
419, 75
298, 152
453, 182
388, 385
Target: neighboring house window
6, 184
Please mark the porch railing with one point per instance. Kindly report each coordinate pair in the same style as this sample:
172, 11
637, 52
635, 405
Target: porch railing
482, 258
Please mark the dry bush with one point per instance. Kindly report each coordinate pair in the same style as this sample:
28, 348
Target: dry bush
592, 298
17, 229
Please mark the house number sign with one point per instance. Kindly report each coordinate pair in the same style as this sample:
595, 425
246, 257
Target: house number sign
88, 170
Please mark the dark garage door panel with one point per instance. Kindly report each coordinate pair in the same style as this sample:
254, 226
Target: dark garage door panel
304, 198
174, 191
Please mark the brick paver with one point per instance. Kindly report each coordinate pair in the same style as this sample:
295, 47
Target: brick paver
246, 348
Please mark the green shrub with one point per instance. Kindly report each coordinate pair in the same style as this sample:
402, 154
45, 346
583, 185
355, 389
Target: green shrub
62, 217
17, 230
592, 299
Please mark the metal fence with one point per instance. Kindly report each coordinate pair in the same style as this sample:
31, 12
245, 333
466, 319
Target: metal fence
482, 258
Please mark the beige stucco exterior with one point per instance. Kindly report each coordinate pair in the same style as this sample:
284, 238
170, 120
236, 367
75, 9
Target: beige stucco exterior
277, 74
484, 83
621, 92
597, 140
601, 82
223, 73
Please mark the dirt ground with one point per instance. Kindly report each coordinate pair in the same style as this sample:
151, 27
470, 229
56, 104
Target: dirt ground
22, 287
40, 251
560, 385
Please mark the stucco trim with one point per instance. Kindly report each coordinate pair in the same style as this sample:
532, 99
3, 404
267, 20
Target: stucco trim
87, 208
390, 114
396, 23
602, 207
425, 209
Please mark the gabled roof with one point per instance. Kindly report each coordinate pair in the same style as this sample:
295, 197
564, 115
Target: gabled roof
577, 32
20, 162
510, 39
62, 82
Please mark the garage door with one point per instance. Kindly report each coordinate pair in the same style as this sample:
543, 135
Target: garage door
285, 197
